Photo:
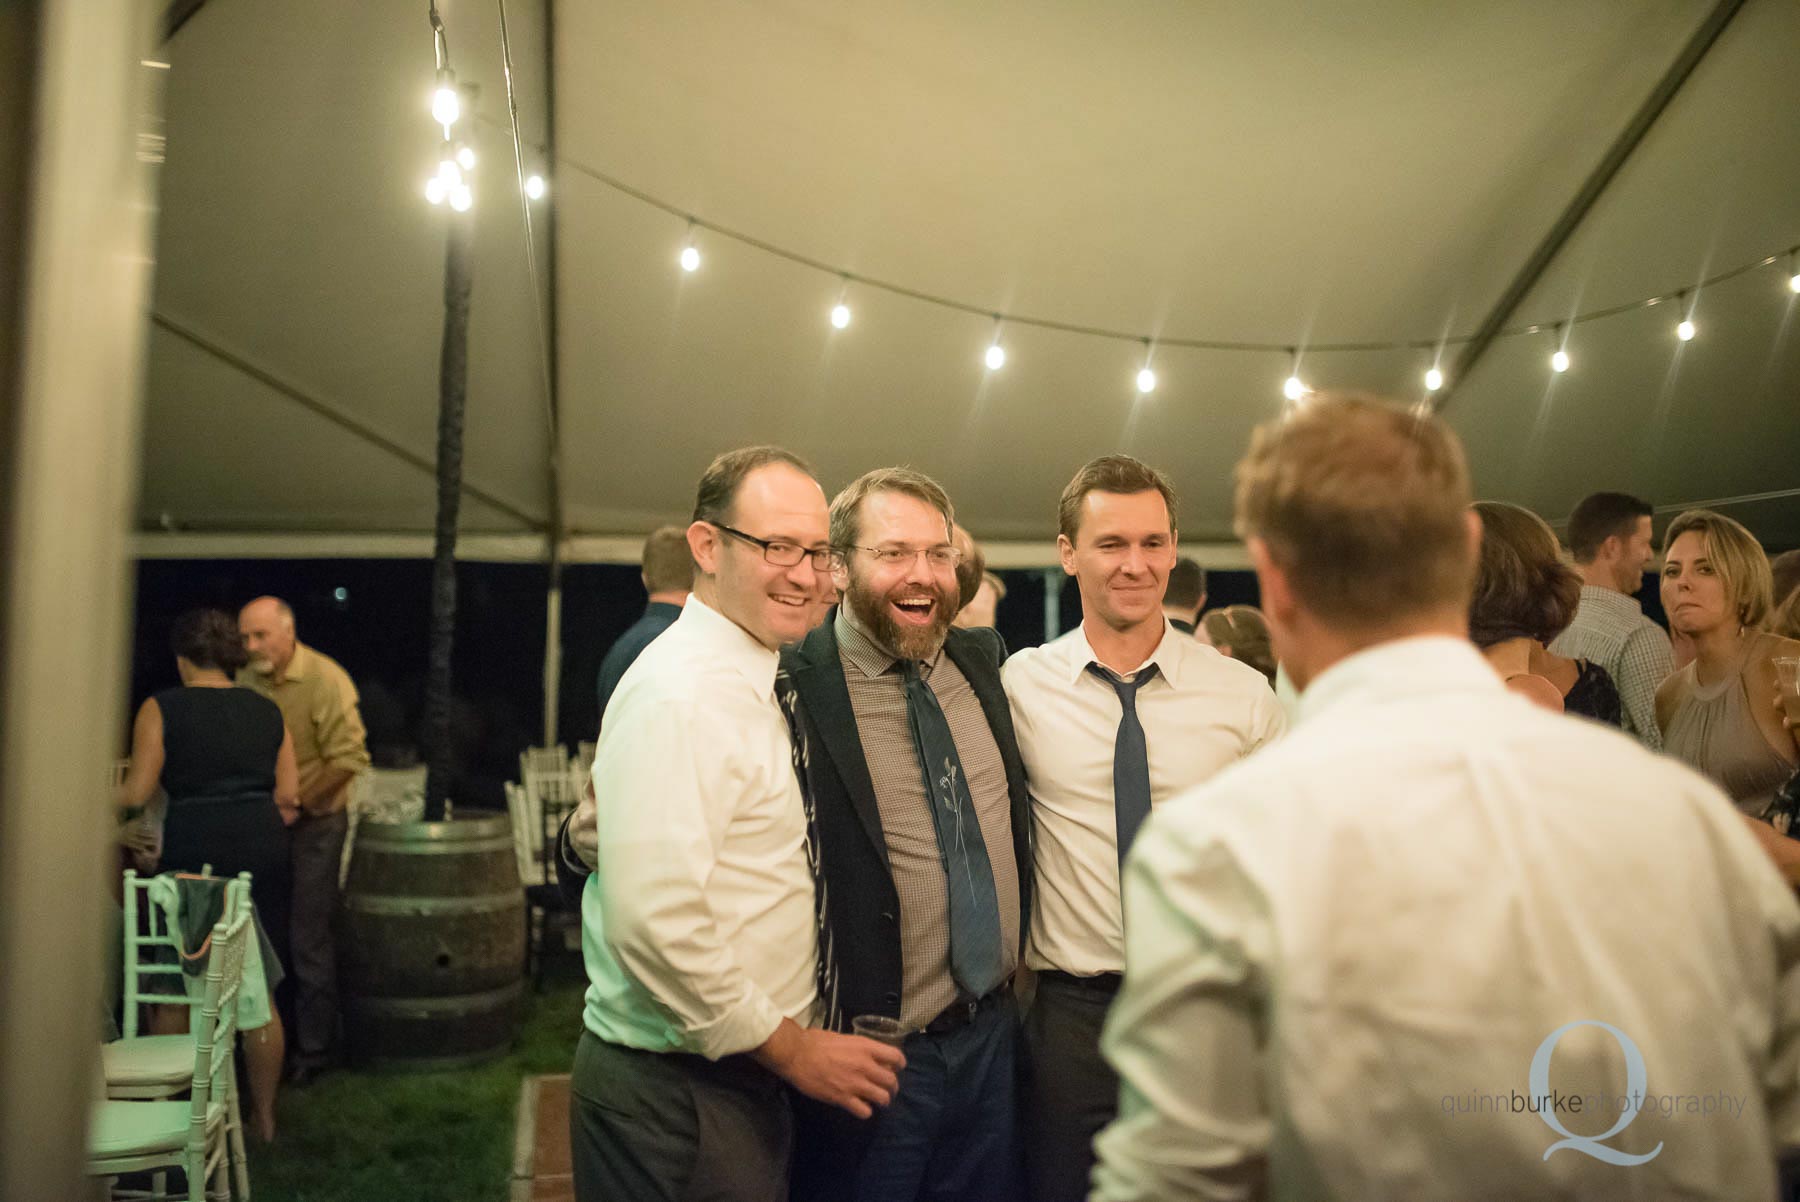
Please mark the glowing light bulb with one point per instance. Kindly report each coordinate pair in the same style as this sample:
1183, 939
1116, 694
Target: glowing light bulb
996, 359
449, 172
466, 158
690, 259
1294, 388
840, 315
1794, 282
461, 198
1559, 361
1685, 331
1434, 380
446, 105
534, 187
435, 189
1146, 380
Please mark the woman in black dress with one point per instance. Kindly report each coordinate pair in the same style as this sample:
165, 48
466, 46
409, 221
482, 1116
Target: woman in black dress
227, 763
1525, 594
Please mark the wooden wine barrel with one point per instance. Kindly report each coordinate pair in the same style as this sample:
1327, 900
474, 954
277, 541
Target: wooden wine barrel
431, 943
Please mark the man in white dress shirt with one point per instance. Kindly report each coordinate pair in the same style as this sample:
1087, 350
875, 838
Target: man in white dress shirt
1437, 942
698, 924
1114, 717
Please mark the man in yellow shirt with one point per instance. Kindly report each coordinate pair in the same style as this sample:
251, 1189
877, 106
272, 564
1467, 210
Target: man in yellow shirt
318, 704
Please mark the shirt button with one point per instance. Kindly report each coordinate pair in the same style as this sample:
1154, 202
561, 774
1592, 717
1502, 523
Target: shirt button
887, 916
893, 999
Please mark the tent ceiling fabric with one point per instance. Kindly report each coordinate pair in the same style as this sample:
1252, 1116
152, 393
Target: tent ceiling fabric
1276, 171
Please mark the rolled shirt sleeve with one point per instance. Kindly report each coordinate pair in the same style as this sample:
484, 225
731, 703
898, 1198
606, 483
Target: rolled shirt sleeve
342, 739
1186, 1033
665, 801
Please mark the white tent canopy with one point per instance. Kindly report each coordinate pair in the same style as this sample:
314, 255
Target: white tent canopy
1275, 172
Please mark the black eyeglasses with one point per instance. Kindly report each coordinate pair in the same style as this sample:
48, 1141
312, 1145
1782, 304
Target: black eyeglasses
785, 554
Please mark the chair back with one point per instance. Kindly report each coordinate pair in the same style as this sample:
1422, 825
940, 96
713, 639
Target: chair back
216, 1026
518, 810
147, 929
550, 797
541, 760
584, 756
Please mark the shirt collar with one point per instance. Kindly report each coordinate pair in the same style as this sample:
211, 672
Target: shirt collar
1167, 656
732, 644
1611, 599
299, 665
865, 652
1407, 667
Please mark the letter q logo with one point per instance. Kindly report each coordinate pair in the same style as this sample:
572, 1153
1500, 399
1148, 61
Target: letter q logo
1634, 1087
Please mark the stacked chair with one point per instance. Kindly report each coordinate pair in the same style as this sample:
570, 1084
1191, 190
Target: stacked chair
142, 1125
550, 788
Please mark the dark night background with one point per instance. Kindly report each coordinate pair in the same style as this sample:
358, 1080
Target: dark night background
371, 616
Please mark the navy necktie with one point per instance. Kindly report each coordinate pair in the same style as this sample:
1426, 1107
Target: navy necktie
974, 909
827, 958
1131, 758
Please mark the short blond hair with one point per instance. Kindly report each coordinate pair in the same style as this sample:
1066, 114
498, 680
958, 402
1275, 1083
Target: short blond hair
1737, 558
1364, 506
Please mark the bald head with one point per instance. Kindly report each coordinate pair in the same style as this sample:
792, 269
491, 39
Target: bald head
267, 625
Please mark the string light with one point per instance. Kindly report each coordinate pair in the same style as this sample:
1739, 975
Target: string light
534, 187
446, 105
1146, 380
454, 157
840, 315
1685, 331
1434, 379
1294, 388
1793, 274
690, 254
995, 356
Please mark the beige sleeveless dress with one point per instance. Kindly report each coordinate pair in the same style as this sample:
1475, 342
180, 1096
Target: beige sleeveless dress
1715, 730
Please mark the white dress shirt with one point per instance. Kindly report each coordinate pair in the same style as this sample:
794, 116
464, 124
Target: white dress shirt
1339, 947
697, 924
1203, 711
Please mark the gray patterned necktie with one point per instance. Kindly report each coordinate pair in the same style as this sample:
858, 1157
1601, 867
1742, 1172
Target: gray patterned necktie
829, 1016
975, 961
1131, 758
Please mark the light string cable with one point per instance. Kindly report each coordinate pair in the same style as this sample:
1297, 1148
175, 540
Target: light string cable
531, 266
1284, 348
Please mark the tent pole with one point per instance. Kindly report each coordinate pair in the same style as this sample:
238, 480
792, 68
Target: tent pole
1702, 40
76, 211
553, 654
453, 391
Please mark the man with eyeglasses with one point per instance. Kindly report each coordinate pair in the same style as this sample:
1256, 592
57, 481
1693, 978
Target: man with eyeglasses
700, 920
922, 816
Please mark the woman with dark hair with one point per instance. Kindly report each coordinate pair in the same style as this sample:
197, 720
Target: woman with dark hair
1525, 594
1240, 632
226, 761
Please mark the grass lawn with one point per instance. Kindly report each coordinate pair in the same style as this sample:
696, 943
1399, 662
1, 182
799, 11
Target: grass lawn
417, 1137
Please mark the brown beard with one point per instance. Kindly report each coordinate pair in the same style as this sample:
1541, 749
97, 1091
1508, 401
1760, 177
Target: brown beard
907, 642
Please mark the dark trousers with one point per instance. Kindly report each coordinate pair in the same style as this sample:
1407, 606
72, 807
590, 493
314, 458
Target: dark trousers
950, 1134
318, 847
671, 1127
1069, 1091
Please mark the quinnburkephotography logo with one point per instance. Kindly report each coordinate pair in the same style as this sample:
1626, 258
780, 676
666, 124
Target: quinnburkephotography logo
1550, 1104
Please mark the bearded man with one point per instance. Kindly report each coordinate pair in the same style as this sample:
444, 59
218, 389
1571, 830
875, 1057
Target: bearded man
922, 815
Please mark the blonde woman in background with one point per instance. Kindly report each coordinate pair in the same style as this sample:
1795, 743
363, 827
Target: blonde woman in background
1713, 712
